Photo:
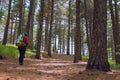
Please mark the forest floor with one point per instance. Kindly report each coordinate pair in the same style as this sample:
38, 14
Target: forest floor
59, 67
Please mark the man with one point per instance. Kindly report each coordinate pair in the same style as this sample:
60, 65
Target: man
22, 48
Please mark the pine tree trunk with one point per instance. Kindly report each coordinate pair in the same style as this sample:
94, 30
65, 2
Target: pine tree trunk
39, 33
7, 25
68, 36
115, 27
59, 38
117, 45
63, 41
99, 59
11, 33
56, 27
29, 27
77, 55
51, 25
30, 16
20, 17
15, 31
47, 25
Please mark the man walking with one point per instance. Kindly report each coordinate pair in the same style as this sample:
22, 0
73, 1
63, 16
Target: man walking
22, 47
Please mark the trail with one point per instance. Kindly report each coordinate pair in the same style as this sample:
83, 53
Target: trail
34, 69
59, 67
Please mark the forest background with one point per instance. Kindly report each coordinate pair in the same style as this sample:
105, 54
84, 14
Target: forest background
71, 27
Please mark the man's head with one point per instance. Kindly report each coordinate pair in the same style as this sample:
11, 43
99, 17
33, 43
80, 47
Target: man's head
25, 33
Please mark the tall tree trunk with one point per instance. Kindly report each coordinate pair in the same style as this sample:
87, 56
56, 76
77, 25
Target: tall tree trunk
30, 16
20, 17
77, 34
23, 16
47, 25
7, 25
72, 37
115, 26
82, 39
89, 27
55, 37
72, 46
11, 31
68, 35
39, 33
59, 37
29, 27
112, 48
117, 45
99, 59
51, 25
15, 30
117, 21
56, 27
63, 41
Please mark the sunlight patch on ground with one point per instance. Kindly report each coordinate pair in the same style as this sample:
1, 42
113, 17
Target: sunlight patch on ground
83, 63
52, 64
34, 60
116, 71
3, 76
109, 72
25, 68
52, 71
60, 62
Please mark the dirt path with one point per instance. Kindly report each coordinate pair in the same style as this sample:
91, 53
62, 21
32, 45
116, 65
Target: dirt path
59, 67
33, 69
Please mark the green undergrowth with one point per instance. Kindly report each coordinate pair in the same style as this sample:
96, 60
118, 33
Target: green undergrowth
85, 58
112, 63
12, 51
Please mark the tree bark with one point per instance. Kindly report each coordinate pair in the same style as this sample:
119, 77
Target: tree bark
30, 17
20, 17
51, 25
7, 25
11, 31
115, 27
15, 30
29, 27
99, 59
68, 36
39, 33
77, 36
47, 25
117, 45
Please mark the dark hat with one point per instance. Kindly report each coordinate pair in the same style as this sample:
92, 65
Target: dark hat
25, 33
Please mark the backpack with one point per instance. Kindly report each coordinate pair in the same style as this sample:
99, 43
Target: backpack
19, 41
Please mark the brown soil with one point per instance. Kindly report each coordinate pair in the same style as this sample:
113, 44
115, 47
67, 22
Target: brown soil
59, 67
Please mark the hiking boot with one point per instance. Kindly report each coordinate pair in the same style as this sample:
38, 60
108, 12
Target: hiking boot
20, 63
